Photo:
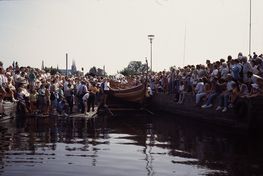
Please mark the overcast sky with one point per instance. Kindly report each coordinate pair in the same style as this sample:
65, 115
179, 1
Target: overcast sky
114, 32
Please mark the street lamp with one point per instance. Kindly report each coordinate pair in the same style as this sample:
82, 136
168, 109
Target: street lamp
151, 37
250, 9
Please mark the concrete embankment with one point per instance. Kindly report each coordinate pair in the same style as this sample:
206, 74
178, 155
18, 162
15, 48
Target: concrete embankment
9, 111
188, 110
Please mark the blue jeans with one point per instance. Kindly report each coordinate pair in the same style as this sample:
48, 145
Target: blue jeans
224, 99
211, 97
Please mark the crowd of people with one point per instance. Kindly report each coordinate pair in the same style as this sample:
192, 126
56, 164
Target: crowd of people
216, 84
38, 92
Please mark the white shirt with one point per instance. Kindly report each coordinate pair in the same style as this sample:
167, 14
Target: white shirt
25, 92
224, 72
255, 70
214, 73
200, 87
85, 97
106, 85
181, 87
229, 85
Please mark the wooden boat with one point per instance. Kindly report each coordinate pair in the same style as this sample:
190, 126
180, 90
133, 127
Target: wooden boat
125, 99
134, 94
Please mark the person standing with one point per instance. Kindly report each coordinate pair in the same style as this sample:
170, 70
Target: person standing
105, 88
82, 90
68, 93
92, 94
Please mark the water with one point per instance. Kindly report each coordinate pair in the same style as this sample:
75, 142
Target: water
125, 145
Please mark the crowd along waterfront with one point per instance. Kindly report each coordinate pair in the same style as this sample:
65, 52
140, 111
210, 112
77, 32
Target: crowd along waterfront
211, 93
130, 144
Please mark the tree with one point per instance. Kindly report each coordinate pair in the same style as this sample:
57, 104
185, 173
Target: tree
51, 70
134, 68
96, 71
100, 72
93, 71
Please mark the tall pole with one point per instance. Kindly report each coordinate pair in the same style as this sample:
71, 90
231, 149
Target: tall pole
250, 8
151, 37
146, 77
66, 64
184, 45
151, 41
42, 65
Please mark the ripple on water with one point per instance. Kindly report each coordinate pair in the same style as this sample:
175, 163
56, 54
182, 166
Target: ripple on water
119, 147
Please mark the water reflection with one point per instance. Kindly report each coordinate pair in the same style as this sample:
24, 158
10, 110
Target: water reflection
137, 144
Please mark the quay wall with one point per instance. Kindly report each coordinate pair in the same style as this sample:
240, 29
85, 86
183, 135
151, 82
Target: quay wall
249, 115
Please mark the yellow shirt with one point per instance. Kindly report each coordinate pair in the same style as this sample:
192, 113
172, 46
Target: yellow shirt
93, 89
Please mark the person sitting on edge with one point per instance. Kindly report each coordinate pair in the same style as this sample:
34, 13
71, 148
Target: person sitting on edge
199, 90
224, 97
234, 95
217, 87
255, 90
181, 93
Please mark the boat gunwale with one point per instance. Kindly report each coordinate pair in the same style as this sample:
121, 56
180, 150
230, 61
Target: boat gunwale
128, 90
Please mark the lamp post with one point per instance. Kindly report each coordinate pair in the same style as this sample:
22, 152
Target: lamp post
250, 16
66, 64
151, 37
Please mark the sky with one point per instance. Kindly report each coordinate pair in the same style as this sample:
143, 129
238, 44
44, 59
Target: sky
112, 33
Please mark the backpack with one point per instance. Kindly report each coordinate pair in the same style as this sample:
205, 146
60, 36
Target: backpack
52, 96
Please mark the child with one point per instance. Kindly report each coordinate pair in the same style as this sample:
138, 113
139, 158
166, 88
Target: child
181, 93
33, 101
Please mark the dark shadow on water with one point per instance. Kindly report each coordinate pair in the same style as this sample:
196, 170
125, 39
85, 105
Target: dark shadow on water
37, 141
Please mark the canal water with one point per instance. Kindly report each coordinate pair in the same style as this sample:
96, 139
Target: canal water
129, 144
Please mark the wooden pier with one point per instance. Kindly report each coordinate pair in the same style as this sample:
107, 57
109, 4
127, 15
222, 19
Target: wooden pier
10, 113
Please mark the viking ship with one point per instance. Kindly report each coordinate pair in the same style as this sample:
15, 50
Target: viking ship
129, 95
134, 94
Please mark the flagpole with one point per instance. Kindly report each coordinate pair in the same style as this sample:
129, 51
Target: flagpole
250, 17
184, 46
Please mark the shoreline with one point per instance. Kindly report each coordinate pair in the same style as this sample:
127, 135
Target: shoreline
229, 119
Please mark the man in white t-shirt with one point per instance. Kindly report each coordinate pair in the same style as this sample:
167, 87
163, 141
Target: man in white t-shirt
85, 102
106, 89
200, 91
106, 85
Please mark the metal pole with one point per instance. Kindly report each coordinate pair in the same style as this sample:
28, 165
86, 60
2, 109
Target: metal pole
66, 64
151, 37
184, 45
250, 28
151, 54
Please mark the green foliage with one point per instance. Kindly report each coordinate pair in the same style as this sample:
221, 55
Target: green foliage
51, 70
100, 72
96, 71
93, 71
134, 68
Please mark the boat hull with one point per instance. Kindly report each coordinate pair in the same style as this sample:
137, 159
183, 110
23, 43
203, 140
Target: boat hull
134, 94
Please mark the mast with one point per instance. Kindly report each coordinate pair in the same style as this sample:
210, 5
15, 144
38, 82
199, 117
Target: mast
250, 18
184, 46
66, 64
